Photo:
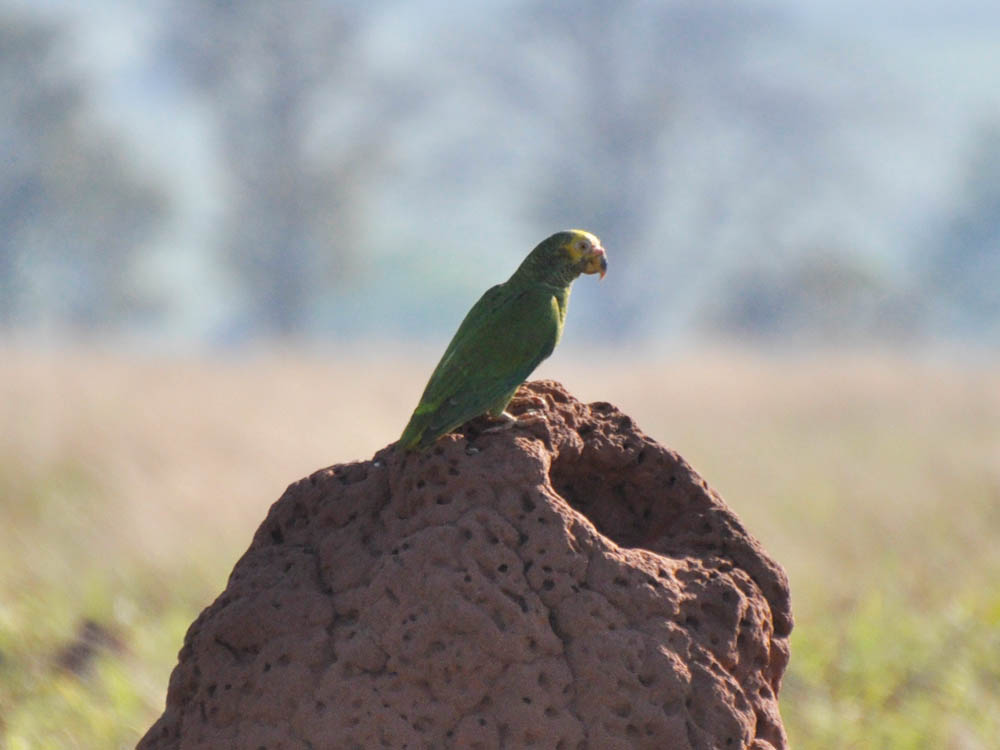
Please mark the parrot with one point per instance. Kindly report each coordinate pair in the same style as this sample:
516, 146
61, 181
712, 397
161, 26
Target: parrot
503, 338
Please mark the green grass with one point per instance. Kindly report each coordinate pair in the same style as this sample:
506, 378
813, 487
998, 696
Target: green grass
898, 672
129, 488
64, 565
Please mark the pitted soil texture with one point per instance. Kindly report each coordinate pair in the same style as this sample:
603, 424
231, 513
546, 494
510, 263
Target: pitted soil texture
568, 583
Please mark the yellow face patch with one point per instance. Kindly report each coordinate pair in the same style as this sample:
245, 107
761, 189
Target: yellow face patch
581, 244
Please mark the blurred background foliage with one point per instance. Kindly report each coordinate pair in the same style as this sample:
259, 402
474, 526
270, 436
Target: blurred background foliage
210, 173
235, 236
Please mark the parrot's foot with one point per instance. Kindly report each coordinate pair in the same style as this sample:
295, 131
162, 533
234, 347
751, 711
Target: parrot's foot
509, 420
536, 403
526, 419
530, 417
535, 413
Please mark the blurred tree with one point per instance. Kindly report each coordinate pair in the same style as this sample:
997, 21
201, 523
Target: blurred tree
666, 128
632, 66
963, 267
630, 92
301, 127
821, 297
74, 212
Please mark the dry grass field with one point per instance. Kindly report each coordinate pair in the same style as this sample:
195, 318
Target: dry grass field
129, 486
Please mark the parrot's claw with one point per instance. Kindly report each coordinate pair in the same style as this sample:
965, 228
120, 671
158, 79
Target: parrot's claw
525, 419
509, 420
530, 417
537, 403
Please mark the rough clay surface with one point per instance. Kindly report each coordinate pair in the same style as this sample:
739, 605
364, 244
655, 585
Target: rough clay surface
568, 583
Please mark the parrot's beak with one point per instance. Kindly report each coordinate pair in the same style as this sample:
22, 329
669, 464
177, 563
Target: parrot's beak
596, 262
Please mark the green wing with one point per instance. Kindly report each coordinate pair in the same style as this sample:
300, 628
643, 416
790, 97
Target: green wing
504, 337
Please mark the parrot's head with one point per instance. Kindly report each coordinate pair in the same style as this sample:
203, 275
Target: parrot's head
585, 252
565, 255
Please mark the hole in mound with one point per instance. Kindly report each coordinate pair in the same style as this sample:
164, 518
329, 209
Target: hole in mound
631, 506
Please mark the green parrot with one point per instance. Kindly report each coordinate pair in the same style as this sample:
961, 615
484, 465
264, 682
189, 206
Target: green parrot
504, 337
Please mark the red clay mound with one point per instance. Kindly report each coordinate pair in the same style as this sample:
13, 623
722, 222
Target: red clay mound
565, 584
